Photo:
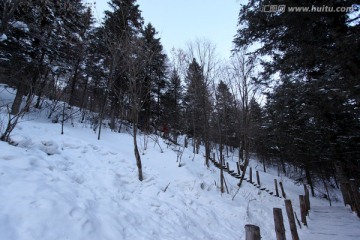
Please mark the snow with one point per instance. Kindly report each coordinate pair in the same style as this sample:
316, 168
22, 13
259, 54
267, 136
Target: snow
20, 25
3, 37
73, 186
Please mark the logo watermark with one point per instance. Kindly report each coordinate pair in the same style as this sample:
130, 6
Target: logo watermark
314, 9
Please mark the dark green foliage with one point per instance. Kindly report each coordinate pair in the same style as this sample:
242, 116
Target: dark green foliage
172, 102
224, 115
313, 114
197, 101
154, 78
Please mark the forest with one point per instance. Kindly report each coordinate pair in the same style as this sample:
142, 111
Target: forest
289, 95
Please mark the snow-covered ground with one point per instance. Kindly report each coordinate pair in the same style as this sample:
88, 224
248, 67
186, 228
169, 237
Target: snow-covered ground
73, 186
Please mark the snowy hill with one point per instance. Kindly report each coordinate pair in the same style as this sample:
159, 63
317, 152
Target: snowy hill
73, 186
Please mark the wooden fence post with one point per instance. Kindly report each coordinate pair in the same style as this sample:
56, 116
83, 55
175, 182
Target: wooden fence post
290, 214
350, 196
282, 189
227, 165
279, 224
307, 199
252, 232
303, 209
251, 175
276, 188
258, 178
355, 194
342, 179
238, 167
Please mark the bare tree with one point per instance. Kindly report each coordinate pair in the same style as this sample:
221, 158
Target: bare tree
241, 76
139, 57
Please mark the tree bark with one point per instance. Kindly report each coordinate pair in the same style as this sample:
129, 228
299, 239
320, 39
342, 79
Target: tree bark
136, 150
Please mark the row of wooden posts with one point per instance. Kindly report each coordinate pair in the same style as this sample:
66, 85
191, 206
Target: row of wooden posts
252, 232
349, 189
259, 183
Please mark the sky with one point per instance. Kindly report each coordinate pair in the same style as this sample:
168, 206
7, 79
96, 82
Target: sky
181, 21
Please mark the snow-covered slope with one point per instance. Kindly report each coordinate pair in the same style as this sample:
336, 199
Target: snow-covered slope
73, 186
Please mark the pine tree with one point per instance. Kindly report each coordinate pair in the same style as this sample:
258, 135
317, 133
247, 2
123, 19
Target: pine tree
314, 112
155, 78
198, 106
121, 31
172, 104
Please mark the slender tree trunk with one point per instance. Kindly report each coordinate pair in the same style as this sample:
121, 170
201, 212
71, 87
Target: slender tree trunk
21, 91
73, 84
112, 115
136, 150
221, 169
84, 99
309, 180
246, 163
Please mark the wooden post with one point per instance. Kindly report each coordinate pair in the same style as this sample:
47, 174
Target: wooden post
356, 196
258, 177
303, 209
276, 188
282, 189
279, 224
307, 199
252, 232
290, 214
238, 167
214, 157
250, 175
350, 196
227, 165
342, 179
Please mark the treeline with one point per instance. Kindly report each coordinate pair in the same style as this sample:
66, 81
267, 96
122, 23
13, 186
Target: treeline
312, 114
308, 123
118, 70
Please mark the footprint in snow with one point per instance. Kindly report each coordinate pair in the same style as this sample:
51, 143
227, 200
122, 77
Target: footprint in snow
7, 157
94, 147
88, 226
49, 147
77, 214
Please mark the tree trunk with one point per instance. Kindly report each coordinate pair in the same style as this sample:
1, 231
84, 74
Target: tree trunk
344, 187
73, 84
136, 150
112, 115
309, 181
221, 170
21, 91
207, 152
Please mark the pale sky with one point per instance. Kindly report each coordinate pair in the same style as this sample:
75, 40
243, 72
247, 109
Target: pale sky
181, 21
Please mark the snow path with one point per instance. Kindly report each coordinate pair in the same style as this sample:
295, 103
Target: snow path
332, 223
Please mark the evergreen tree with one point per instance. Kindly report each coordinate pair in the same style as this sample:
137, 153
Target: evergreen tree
155, 78
172, 103
126, 61
224, 114
198, 106
313, 114
121, 31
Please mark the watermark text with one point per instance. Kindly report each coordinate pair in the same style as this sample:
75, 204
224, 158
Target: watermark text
312, 9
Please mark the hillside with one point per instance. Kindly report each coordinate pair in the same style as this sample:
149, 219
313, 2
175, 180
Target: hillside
73, 186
